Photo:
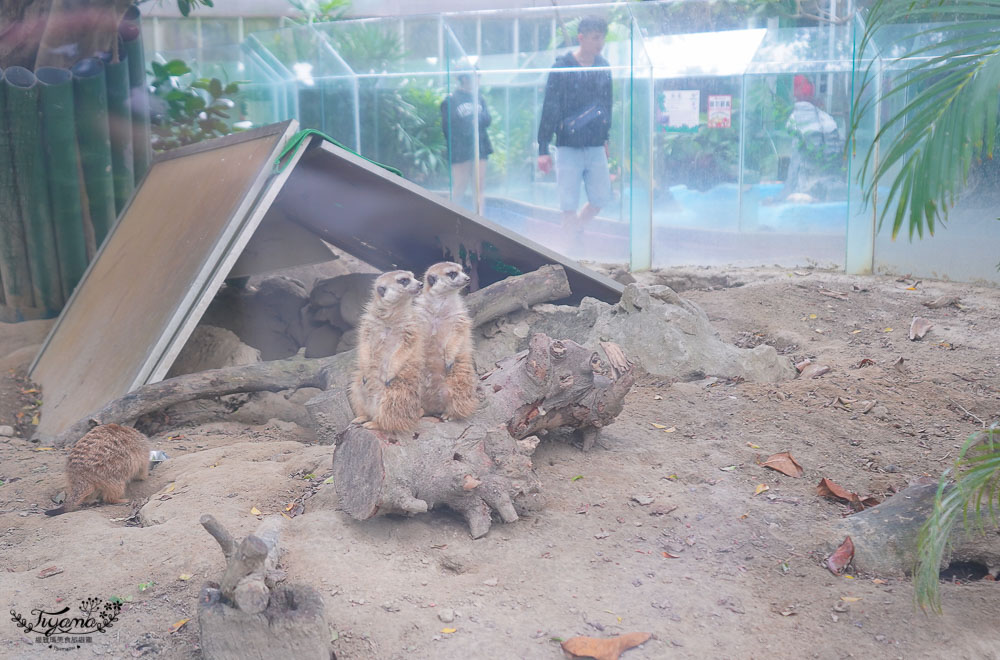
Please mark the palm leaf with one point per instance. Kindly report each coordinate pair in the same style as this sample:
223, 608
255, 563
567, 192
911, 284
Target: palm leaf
950, 96
977, 484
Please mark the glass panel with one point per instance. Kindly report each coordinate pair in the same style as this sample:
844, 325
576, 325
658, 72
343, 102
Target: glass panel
965, 248
515, 52
219, 31
319, 89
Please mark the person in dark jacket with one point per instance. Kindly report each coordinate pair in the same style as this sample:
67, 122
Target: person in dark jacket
577, 109
458, 113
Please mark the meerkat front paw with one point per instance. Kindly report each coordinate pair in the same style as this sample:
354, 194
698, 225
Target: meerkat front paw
361, 419
371, 426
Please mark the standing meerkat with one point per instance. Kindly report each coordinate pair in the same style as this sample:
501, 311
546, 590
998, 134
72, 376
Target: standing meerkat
102, 463
449, 385
385, 392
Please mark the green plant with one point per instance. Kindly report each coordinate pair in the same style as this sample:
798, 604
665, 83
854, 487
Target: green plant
976, 490
317, 11
188, 112
699, 160
948, 104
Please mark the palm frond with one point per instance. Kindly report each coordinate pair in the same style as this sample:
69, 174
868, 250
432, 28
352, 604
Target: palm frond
976, 489
949, 93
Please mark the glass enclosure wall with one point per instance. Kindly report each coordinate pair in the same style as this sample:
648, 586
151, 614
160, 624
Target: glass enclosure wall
965, 249
514, 53
263, 97
726, 141
748, 146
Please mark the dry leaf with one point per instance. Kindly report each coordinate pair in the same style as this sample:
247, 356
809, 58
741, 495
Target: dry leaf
827, 488
667, 555
841, 557
49, 572
752, 445
657, 397
255, 511
670, 430
170, 488
785, 464
812, 316
866, 362
44, 448
854, 332
760, 489
448, 631
879, 581
919, 327
850, 599
177, 626
603, 649
184, 576
888, 330
658, 426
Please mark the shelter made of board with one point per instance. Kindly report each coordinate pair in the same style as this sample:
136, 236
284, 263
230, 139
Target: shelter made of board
244, 204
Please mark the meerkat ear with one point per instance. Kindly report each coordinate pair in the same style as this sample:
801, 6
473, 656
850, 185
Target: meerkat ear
431, 279
380, 290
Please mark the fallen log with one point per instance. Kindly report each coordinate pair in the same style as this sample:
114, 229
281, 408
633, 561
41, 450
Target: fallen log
543, 285
482, 465
885, 536
248, 614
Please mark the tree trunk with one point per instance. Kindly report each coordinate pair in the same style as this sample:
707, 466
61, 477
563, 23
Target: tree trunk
248, 615
482, 464
22, 23
885, 536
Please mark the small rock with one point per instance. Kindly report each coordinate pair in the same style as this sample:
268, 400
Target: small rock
892, 467
446, 615
643, 499
6, 431
879, 638
880, 412
492, 582
840, 607
390, 607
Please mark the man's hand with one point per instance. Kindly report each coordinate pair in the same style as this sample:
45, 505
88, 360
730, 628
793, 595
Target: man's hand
545, 163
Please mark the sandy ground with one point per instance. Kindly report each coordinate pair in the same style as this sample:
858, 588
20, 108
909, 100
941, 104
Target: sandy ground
746, 581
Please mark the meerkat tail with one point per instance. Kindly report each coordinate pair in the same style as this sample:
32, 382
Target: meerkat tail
400, 410
462, 387
58, 511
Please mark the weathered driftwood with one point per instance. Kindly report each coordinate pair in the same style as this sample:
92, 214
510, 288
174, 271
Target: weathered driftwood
545, 284
482, 464
250, 564
247, 614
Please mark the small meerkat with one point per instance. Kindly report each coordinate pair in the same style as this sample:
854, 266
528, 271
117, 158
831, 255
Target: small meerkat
102, 463
385, 392
450, 380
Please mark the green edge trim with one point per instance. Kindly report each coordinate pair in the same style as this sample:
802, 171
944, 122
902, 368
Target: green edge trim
296, 141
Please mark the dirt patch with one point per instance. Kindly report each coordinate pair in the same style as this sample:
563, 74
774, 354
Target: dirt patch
657, 530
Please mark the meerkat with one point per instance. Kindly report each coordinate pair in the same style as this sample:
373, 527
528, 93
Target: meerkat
385, 392
449, 384
102, 463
